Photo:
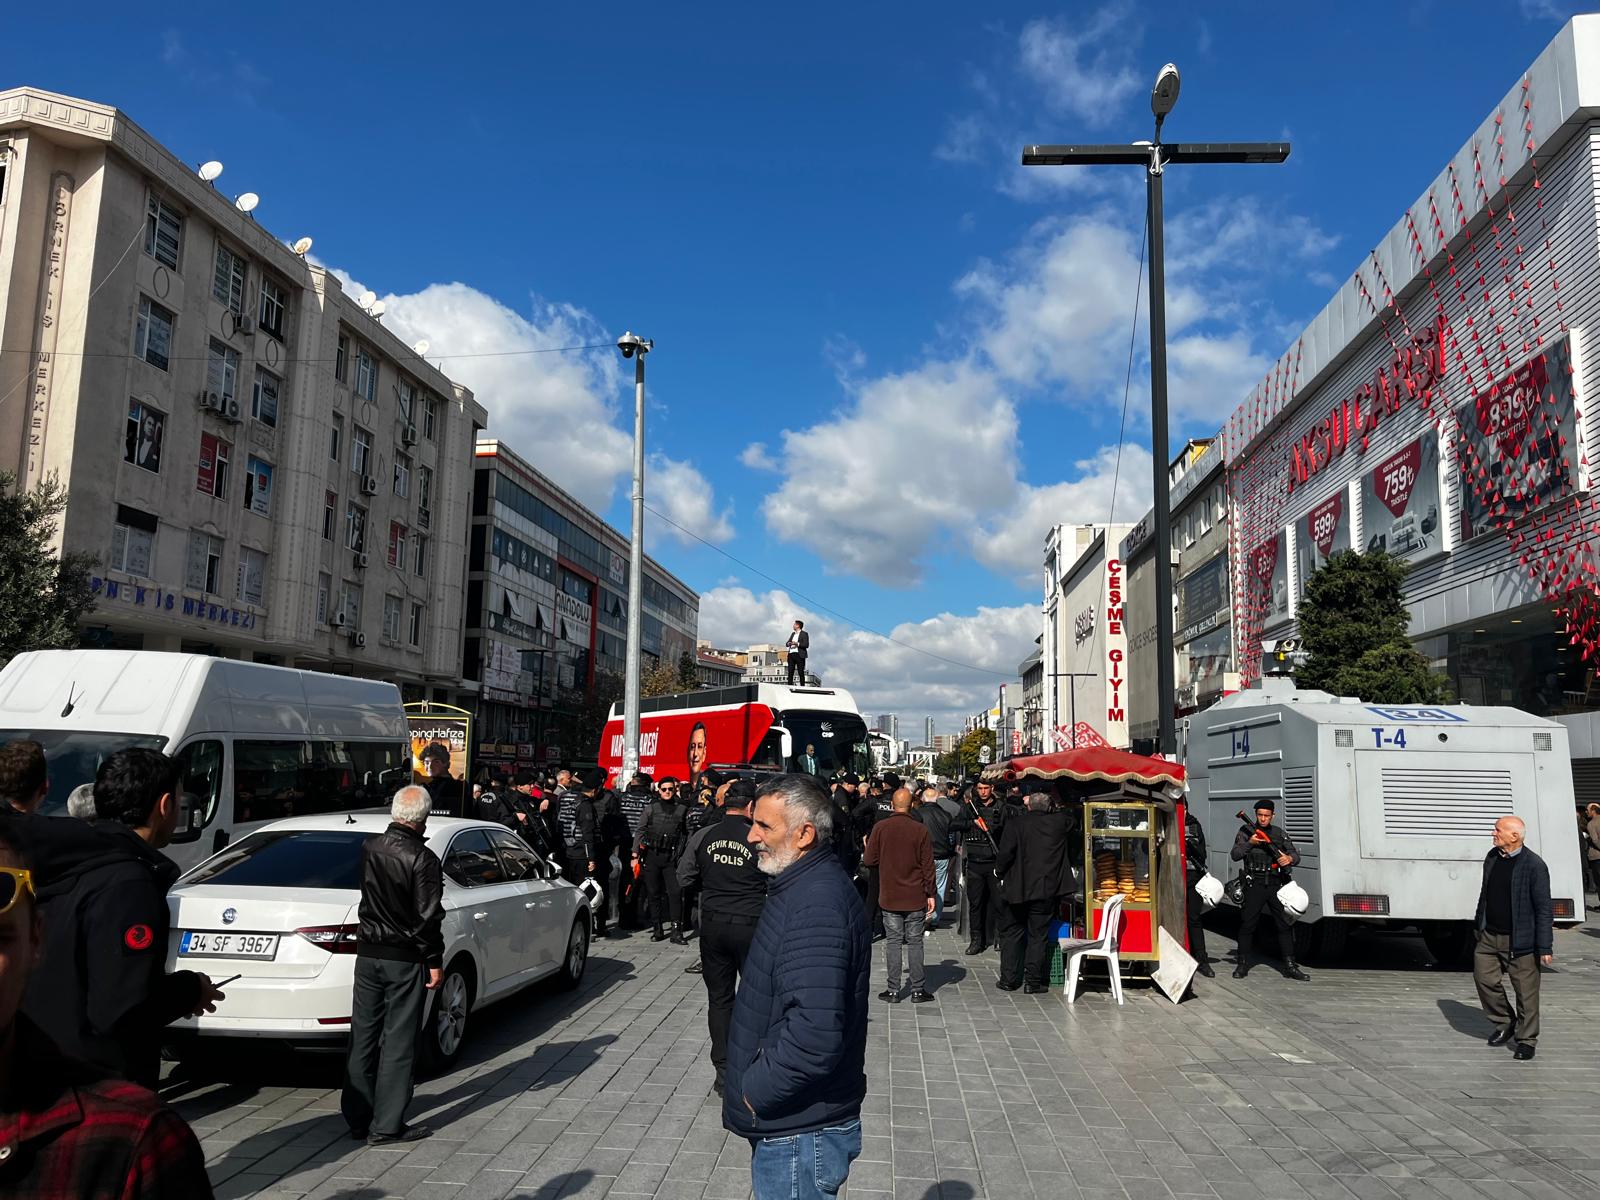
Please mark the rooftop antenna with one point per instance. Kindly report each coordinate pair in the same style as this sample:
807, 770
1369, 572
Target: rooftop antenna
377, 309
422, 347
247, 203
366, 300
302, 247
210, 170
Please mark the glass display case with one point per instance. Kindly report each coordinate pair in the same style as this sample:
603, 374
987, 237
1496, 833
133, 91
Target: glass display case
1121, 857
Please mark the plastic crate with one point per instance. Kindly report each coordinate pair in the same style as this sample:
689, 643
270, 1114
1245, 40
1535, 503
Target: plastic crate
1058, 970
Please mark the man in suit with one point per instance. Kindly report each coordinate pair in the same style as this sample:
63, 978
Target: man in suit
798, 645
1033, 860
808, 761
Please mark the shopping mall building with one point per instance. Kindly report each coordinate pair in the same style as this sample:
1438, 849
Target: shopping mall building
1440, 408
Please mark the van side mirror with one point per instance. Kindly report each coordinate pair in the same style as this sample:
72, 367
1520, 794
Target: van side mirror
191, 818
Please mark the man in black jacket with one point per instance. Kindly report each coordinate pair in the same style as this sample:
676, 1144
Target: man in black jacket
798, 645
399, 955
936, 812
101, 991
980, 823
1267, 853
1034, 862
1514, 928
633, 802
656, 849
581, 816
1194, 865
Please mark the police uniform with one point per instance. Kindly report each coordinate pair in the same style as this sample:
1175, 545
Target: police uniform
1263, 876
581, 830
721, 862
630, 889
657, 847
696, 817
979, 827
1194, 863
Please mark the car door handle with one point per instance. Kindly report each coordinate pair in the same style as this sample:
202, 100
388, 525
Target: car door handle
483, 916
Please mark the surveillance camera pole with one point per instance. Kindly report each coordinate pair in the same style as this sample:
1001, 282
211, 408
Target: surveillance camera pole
632, 683
1153, 156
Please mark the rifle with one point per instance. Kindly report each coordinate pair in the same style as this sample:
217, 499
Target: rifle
1277, 851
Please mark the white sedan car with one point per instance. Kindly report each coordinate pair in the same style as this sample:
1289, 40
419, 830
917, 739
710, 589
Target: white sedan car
278, 908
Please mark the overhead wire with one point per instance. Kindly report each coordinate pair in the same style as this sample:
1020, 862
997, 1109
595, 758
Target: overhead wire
1127, 382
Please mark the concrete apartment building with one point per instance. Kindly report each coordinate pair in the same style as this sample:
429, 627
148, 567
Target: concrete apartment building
257, 467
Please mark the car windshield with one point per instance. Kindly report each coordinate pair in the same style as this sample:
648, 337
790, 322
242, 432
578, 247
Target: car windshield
837, 742
73, 756
288, 858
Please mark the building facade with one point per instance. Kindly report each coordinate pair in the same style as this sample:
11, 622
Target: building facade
547, 614
716, 669
256, 466
1084, 642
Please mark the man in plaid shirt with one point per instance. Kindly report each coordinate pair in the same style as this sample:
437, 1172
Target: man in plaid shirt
66, 1131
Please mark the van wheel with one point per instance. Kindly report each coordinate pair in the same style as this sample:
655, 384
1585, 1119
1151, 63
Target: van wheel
1450, 943
1320, 941
577, 956
444, 1032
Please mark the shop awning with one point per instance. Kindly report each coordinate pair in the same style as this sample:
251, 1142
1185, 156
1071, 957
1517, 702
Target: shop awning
1090, 764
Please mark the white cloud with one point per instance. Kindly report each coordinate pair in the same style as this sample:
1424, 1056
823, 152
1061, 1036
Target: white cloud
755, 457
883, 676
1082, 66
869, 489
683, 495
1542, 10
1013, 542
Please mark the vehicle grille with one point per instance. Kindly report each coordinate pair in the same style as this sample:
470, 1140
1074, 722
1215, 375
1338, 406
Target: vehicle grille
1299, 806
1423, 802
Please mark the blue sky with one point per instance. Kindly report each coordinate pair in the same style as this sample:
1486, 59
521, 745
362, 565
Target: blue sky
888, 357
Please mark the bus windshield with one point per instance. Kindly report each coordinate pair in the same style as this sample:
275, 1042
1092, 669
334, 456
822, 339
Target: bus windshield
73, 757
837, 741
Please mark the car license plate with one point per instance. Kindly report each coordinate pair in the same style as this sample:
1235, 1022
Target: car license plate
199, 943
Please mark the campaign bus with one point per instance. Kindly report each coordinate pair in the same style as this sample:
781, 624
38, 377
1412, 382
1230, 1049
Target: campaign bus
762, 726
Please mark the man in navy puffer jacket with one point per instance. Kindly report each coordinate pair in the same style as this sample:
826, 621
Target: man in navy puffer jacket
797, 1044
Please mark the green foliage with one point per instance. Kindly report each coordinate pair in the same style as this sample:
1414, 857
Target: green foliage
43, 595
595, 707
965, 759
1353, 623
688, 679
659, 680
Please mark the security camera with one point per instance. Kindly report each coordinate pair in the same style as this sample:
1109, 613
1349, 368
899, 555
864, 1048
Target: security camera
628, 343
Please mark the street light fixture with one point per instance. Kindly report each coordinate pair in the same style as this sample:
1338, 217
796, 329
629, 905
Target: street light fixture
635, 347
1154, 156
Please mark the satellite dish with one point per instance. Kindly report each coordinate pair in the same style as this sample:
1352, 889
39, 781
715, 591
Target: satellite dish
210, 170
367, 299
302, 247
377, 309
422, 347
247, 202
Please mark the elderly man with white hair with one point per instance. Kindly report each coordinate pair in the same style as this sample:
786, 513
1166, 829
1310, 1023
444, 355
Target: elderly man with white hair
1515, 935
399, 955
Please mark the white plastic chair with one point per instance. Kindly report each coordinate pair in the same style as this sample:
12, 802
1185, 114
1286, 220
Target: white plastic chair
1075, 950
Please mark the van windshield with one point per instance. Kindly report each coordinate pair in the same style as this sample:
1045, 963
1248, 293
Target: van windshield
74, 756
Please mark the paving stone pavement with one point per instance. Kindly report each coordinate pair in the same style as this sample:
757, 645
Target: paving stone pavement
1372, 1081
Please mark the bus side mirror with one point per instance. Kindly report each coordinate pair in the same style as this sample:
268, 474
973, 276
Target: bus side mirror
786, 740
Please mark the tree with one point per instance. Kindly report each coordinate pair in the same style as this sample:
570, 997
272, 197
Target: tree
660, 680
1353, 623
966, 753
592, 714
688, 677
43, 595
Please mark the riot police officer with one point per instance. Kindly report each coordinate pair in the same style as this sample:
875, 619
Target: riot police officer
721, 863
979, 823
657, 847
1267, 853
633, 802
1194, 864
581, 828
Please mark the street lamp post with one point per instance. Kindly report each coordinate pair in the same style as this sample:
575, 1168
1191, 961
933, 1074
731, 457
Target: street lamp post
635, 347
1154, 156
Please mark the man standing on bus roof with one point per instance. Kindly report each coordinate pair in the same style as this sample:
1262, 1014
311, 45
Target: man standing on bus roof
1516, 934
798, 646
1267, 853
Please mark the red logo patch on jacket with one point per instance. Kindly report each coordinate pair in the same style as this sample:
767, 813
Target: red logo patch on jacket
138, 937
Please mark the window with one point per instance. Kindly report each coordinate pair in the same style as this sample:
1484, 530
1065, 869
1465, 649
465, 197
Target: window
520, 862
415, 635
397, 545
402, 475
264, 401
391, 618
163, 232
366, 373
341, 359
152, 336
274, 307
227, 280
1204, 512
420, 559
212, 475
471, 860
141, 445
204, 569
429, 415
360, 450
258, 487
424, 493
133, 541
324, 595
222, 370
355, 527
407, 393
302, 778
350, 604
330, 514
252, 575
335, 437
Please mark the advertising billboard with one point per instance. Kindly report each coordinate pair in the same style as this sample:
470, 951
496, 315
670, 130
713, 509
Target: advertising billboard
1518, 442
1401, 511
1203, 598
444, 777
1319, 534
1267, 570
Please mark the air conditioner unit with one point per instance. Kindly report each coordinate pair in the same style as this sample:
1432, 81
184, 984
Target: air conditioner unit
234, 413
338, 621
245, 325
369, 485
358, 639
408, 436
361, 560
